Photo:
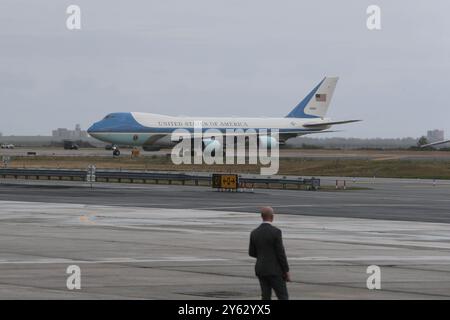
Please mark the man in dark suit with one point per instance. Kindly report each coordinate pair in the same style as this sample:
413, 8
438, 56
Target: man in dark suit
271, 268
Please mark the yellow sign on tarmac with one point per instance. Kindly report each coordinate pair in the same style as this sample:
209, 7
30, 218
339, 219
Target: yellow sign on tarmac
225, 181
229, 181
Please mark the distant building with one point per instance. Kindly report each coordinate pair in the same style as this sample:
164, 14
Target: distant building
63, 133
435, 135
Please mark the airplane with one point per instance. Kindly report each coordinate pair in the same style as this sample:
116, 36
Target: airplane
153, 131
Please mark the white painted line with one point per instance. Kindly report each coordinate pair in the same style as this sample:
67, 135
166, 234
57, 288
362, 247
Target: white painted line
315, 206
374, 258
113, 260
132, 260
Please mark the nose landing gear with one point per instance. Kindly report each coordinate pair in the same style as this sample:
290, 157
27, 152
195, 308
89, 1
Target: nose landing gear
116, 151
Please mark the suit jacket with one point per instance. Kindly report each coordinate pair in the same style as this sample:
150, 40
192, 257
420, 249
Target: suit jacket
266, 245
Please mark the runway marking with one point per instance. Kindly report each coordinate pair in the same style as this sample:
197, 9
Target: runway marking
314, 205
375, 258
113, 260
86, 219
387, 158
250, 260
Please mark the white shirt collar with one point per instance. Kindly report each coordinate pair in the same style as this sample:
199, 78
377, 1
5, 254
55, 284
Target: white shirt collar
267, 222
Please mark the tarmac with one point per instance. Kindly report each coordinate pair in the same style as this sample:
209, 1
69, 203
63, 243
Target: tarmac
324, 154
387, 199
184, 242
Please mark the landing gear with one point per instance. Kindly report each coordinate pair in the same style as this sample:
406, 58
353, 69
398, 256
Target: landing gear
116, 151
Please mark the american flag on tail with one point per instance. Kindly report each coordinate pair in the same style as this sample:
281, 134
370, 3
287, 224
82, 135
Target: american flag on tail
322, 97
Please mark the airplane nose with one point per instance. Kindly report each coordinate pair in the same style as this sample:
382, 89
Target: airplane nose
92, 129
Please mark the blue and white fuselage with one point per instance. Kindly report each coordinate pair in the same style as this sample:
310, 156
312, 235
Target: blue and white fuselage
155, 130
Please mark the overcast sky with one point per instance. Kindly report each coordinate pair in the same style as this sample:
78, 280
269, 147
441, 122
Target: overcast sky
224, 58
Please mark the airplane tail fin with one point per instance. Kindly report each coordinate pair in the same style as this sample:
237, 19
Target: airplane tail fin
315, 104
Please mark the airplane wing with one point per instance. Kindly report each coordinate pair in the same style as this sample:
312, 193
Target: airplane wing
434, 143
292, 133
329, 123
282, 136
288, 135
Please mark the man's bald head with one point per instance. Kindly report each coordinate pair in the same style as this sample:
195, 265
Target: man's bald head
267, 213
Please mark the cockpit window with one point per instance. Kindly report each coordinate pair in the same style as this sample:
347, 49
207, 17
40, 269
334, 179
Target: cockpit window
109, 116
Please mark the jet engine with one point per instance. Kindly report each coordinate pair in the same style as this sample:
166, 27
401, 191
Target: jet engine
267, 142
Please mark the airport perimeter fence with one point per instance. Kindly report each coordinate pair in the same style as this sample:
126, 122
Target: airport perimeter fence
245, 181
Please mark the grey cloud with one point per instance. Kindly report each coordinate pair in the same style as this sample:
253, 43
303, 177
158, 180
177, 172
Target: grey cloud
203, 57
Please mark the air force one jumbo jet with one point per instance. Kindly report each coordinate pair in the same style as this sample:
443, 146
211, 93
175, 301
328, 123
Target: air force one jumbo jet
153, 131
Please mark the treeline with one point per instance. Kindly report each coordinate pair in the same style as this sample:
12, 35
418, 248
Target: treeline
353, 143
